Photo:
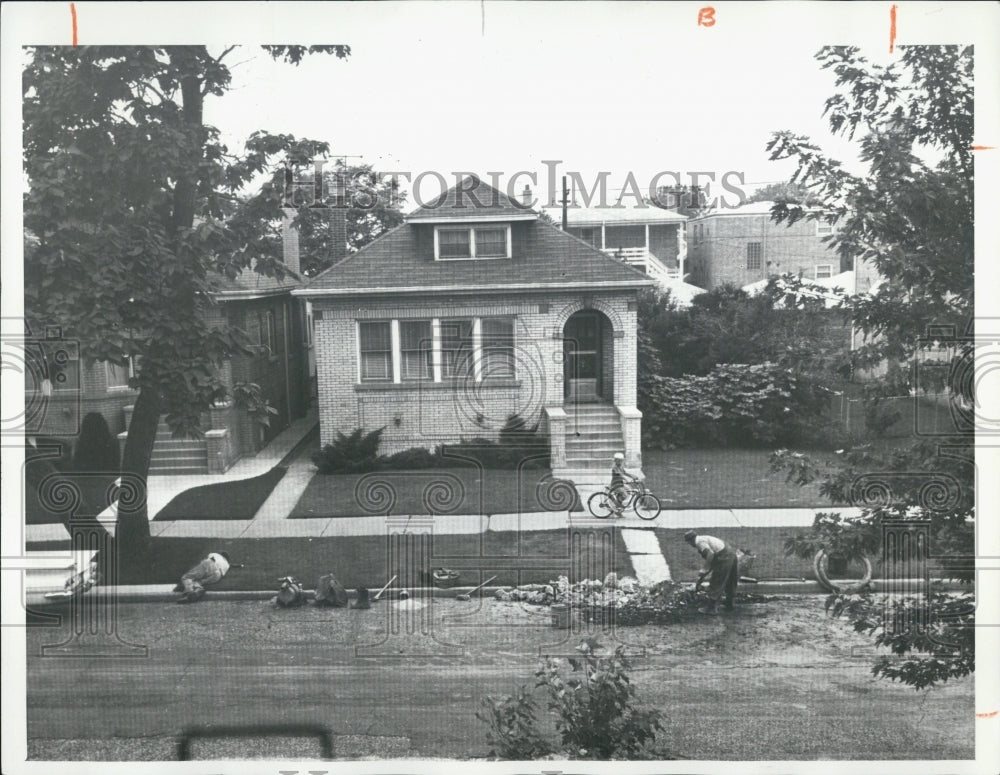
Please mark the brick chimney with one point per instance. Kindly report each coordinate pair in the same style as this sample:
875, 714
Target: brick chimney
289, 240
338, 217
526, 198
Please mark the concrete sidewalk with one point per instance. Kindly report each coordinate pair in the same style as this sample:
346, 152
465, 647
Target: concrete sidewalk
270, 523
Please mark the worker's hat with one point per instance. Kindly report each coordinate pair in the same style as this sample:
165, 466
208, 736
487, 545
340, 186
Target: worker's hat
619, 456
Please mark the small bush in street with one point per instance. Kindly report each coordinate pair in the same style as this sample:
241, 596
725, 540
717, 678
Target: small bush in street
513, 732
594, 709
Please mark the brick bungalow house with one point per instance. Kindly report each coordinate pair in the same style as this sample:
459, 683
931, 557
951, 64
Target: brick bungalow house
260, 305
470, 311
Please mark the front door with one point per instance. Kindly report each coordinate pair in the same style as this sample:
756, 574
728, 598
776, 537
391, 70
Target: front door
582, 349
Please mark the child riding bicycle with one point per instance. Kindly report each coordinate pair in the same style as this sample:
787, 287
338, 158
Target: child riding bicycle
618, 478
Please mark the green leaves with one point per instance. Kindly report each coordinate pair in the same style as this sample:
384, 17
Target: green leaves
130, 210
593, 709
739, 404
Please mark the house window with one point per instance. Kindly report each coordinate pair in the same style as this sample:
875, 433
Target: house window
454, 243
409, 350
753, 255
498, 348
822, 227
266, 334
415, 346
491, 242
118, 376
472, 242
375, 345
823, 271
456, 348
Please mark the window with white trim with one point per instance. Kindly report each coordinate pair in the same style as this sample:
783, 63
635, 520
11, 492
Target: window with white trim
753, 255
457, 347
118, 376
498, 348
453, 243
375, 345
823, 271
415, 348
482, 348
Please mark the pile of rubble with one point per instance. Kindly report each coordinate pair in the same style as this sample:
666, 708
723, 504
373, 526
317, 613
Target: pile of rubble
622, 598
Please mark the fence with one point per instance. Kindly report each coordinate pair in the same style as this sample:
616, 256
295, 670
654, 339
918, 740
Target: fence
924, 415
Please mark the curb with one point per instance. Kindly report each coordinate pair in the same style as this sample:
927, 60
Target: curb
163, 593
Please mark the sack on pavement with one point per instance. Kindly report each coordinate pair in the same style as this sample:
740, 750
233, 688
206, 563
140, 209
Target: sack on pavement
330, 592
290, 595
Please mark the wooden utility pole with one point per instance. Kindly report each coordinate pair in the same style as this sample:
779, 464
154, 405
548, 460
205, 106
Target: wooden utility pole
565, 202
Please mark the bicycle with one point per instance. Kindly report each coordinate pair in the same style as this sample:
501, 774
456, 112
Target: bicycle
604, 503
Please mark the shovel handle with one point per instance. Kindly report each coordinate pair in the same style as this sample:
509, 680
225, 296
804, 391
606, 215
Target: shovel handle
379, 593
474, 589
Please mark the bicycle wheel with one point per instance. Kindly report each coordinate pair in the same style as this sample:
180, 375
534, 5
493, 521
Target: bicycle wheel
601, 504
646, 506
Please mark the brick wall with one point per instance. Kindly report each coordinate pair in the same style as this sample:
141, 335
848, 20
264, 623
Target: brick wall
427, 414
663, 243
719, 256
267, 371
65, 409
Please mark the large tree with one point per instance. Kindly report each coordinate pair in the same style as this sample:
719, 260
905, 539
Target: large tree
911, 215
370, 205
133, 204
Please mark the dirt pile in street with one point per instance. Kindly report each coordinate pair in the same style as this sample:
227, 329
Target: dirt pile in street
622, 600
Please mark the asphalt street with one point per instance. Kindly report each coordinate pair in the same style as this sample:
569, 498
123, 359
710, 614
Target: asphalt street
775, 680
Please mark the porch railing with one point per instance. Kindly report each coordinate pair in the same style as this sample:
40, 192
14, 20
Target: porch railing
642, 259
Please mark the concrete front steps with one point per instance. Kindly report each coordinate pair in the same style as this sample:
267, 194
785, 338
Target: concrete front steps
593, 436
175, 456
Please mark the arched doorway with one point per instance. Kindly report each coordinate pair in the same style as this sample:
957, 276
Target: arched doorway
588, 363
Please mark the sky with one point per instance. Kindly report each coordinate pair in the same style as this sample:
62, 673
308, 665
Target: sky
601, 87
626, 88
630, 89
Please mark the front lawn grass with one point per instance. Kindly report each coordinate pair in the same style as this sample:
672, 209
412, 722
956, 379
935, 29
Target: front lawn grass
726, 478
766, 543
515, 558
435, 491
226, 500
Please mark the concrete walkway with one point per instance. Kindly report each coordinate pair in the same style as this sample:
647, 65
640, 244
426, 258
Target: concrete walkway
272, 518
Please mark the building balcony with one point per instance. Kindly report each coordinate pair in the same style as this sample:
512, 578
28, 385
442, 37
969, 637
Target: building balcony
646, 262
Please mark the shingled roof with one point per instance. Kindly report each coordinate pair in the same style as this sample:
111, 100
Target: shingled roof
249, 284
472, 200
399, 262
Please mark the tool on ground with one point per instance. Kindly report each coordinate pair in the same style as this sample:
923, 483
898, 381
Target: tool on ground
379, 593
468, 595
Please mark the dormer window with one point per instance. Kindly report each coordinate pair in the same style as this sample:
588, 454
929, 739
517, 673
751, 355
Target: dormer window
454, 243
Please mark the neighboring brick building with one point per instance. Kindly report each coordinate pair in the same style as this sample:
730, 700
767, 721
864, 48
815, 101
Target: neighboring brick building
261, 306
471, 311
741, 245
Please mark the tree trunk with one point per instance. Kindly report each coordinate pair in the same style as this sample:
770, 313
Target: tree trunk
133, 524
